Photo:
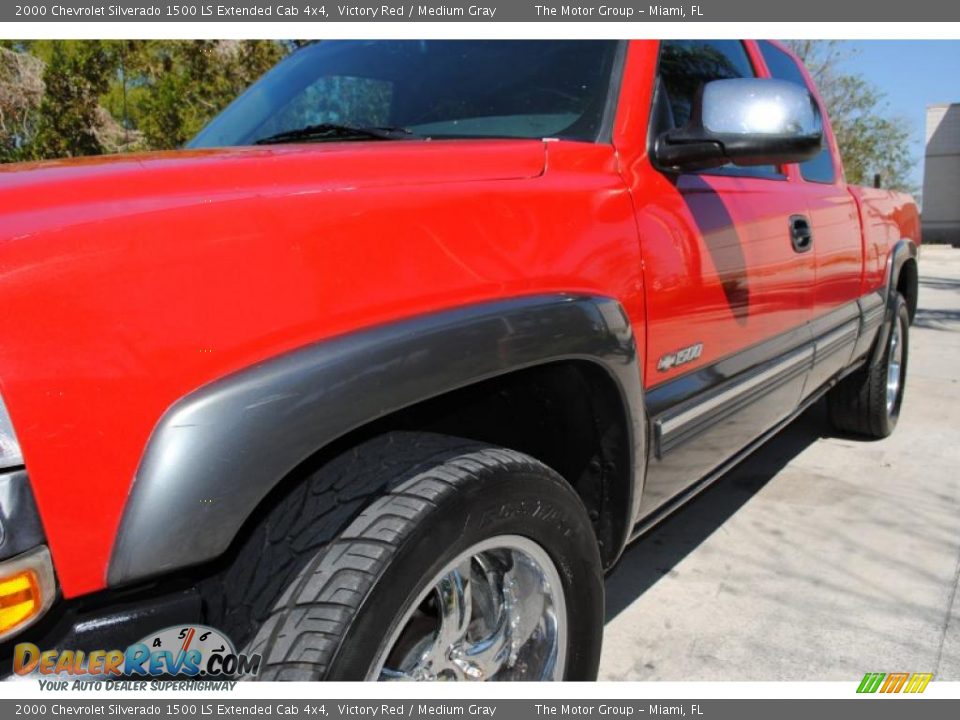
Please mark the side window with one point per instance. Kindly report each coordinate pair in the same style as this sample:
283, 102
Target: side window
783, 67
686, 65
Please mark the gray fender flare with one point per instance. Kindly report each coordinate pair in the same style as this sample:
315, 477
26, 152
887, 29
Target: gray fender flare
217, 453
903, 250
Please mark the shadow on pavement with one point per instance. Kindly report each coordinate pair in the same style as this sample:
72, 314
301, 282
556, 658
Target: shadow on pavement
655, 554
937, 283
932, 319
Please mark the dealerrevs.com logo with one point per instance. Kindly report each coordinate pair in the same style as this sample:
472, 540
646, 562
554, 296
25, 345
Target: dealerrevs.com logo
184, 650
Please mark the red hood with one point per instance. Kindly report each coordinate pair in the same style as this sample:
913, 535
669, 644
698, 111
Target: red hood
48, 195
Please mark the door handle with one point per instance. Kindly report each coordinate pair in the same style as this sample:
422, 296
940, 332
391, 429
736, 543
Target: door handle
801, 235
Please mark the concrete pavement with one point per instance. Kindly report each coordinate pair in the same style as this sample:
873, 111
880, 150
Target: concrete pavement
820, 557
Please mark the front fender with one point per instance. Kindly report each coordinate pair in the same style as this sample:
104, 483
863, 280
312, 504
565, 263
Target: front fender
216, 453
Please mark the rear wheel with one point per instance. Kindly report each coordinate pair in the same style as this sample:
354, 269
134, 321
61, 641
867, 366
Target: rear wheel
472, 563
868, 401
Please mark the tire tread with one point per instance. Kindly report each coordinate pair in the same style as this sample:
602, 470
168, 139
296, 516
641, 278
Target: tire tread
405, 477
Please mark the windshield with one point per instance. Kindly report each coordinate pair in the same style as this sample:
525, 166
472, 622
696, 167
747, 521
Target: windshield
437, 89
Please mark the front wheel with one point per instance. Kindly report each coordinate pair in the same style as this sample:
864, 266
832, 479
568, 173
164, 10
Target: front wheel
495, 612
479, 564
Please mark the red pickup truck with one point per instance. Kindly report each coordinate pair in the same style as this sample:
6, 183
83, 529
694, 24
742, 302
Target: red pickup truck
382, 372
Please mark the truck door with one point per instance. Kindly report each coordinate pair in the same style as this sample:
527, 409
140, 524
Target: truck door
728, 293
835, 237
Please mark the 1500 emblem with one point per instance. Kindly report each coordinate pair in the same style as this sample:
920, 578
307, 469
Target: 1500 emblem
684, 355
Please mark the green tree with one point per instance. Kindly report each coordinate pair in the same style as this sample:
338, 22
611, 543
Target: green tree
181, 85
21, 92
77, 73
63, 98
871, 140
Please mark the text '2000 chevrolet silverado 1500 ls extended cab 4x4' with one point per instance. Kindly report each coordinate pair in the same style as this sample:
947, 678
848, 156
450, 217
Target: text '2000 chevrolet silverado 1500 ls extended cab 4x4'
381, 373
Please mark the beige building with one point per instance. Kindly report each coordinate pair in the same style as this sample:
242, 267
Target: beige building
941, 175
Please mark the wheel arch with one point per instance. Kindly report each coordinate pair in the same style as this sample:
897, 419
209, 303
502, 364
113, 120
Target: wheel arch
908, 284
218, 454
902, 273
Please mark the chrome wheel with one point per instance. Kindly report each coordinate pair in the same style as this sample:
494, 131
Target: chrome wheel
496, 612
894, 364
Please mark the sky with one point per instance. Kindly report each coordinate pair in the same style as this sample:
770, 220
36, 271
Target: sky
912, 74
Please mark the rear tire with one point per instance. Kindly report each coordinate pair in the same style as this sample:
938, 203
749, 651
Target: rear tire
500, 525
868, 401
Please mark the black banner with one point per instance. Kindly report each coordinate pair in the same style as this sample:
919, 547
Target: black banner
484, 11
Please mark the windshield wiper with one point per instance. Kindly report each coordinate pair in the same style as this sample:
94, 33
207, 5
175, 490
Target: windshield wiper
334, 131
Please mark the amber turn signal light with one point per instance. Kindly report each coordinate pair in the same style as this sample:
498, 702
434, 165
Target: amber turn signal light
27, 589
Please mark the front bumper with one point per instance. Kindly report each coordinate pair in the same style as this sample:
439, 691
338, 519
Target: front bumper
112, 619
27, 590
28, 585
20, 527
106, 621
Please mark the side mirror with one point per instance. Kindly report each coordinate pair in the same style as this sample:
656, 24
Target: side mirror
748, 121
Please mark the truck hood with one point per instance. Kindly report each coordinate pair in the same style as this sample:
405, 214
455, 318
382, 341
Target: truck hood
35, 197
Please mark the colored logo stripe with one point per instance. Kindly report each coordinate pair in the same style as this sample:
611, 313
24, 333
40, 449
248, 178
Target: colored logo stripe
918, 682
894, 682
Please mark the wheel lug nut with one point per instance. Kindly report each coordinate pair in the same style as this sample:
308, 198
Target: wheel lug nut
465, 666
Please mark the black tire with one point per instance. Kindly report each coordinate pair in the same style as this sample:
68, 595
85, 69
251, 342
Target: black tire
858, 404
437, 496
